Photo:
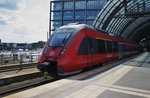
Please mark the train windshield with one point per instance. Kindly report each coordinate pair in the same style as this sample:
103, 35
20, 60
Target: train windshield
60, 37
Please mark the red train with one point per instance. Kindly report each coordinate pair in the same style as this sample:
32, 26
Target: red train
74, 47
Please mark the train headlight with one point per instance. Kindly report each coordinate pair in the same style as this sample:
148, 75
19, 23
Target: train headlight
62, 51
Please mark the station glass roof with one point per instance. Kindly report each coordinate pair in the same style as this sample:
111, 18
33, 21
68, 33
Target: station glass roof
128, 19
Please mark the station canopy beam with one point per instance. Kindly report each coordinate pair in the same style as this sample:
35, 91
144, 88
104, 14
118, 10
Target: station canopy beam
127, 19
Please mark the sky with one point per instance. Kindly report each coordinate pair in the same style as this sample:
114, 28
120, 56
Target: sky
24, 21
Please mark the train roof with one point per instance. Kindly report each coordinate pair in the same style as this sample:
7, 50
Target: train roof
76, 26
79, 27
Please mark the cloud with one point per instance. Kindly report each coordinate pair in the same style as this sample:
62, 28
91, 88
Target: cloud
24, 20
9, 9
2, 22
11, 5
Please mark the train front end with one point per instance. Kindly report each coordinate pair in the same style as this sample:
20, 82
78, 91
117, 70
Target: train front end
54, 51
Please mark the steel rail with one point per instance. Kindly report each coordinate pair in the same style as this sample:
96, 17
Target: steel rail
17, 67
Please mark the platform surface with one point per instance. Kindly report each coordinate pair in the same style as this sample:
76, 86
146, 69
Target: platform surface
128, 80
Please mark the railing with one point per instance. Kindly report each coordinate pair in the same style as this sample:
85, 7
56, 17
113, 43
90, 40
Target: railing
9, 59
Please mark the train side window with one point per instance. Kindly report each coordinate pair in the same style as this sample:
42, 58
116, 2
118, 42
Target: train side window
84, 47
94, 46
120, 47
115, 47
128, 48
124, 48
101, 44
109, 46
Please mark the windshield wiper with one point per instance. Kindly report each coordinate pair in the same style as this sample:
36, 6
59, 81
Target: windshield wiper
64, 40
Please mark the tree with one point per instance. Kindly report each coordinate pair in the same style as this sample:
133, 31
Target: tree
39, 44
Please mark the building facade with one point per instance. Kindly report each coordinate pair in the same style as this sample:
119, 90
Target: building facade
10, 46
63, 12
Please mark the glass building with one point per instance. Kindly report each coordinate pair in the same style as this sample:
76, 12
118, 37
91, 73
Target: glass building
63, 12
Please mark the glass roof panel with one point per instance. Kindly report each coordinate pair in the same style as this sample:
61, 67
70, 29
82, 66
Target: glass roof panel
125, 21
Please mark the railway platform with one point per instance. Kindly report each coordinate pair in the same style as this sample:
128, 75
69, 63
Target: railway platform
130, 79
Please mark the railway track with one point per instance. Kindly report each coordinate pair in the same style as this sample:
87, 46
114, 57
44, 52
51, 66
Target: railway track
17, 67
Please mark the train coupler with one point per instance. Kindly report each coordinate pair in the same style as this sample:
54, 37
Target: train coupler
43, 66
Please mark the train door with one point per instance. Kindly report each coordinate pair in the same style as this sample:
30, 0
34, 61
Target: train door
93, 50
87, 51
89, 60
90, 52
109, 54
120, 51
83, 53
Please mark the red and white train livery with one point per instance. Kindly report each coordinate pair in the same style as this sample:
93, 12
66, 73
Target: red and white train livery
74, 47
